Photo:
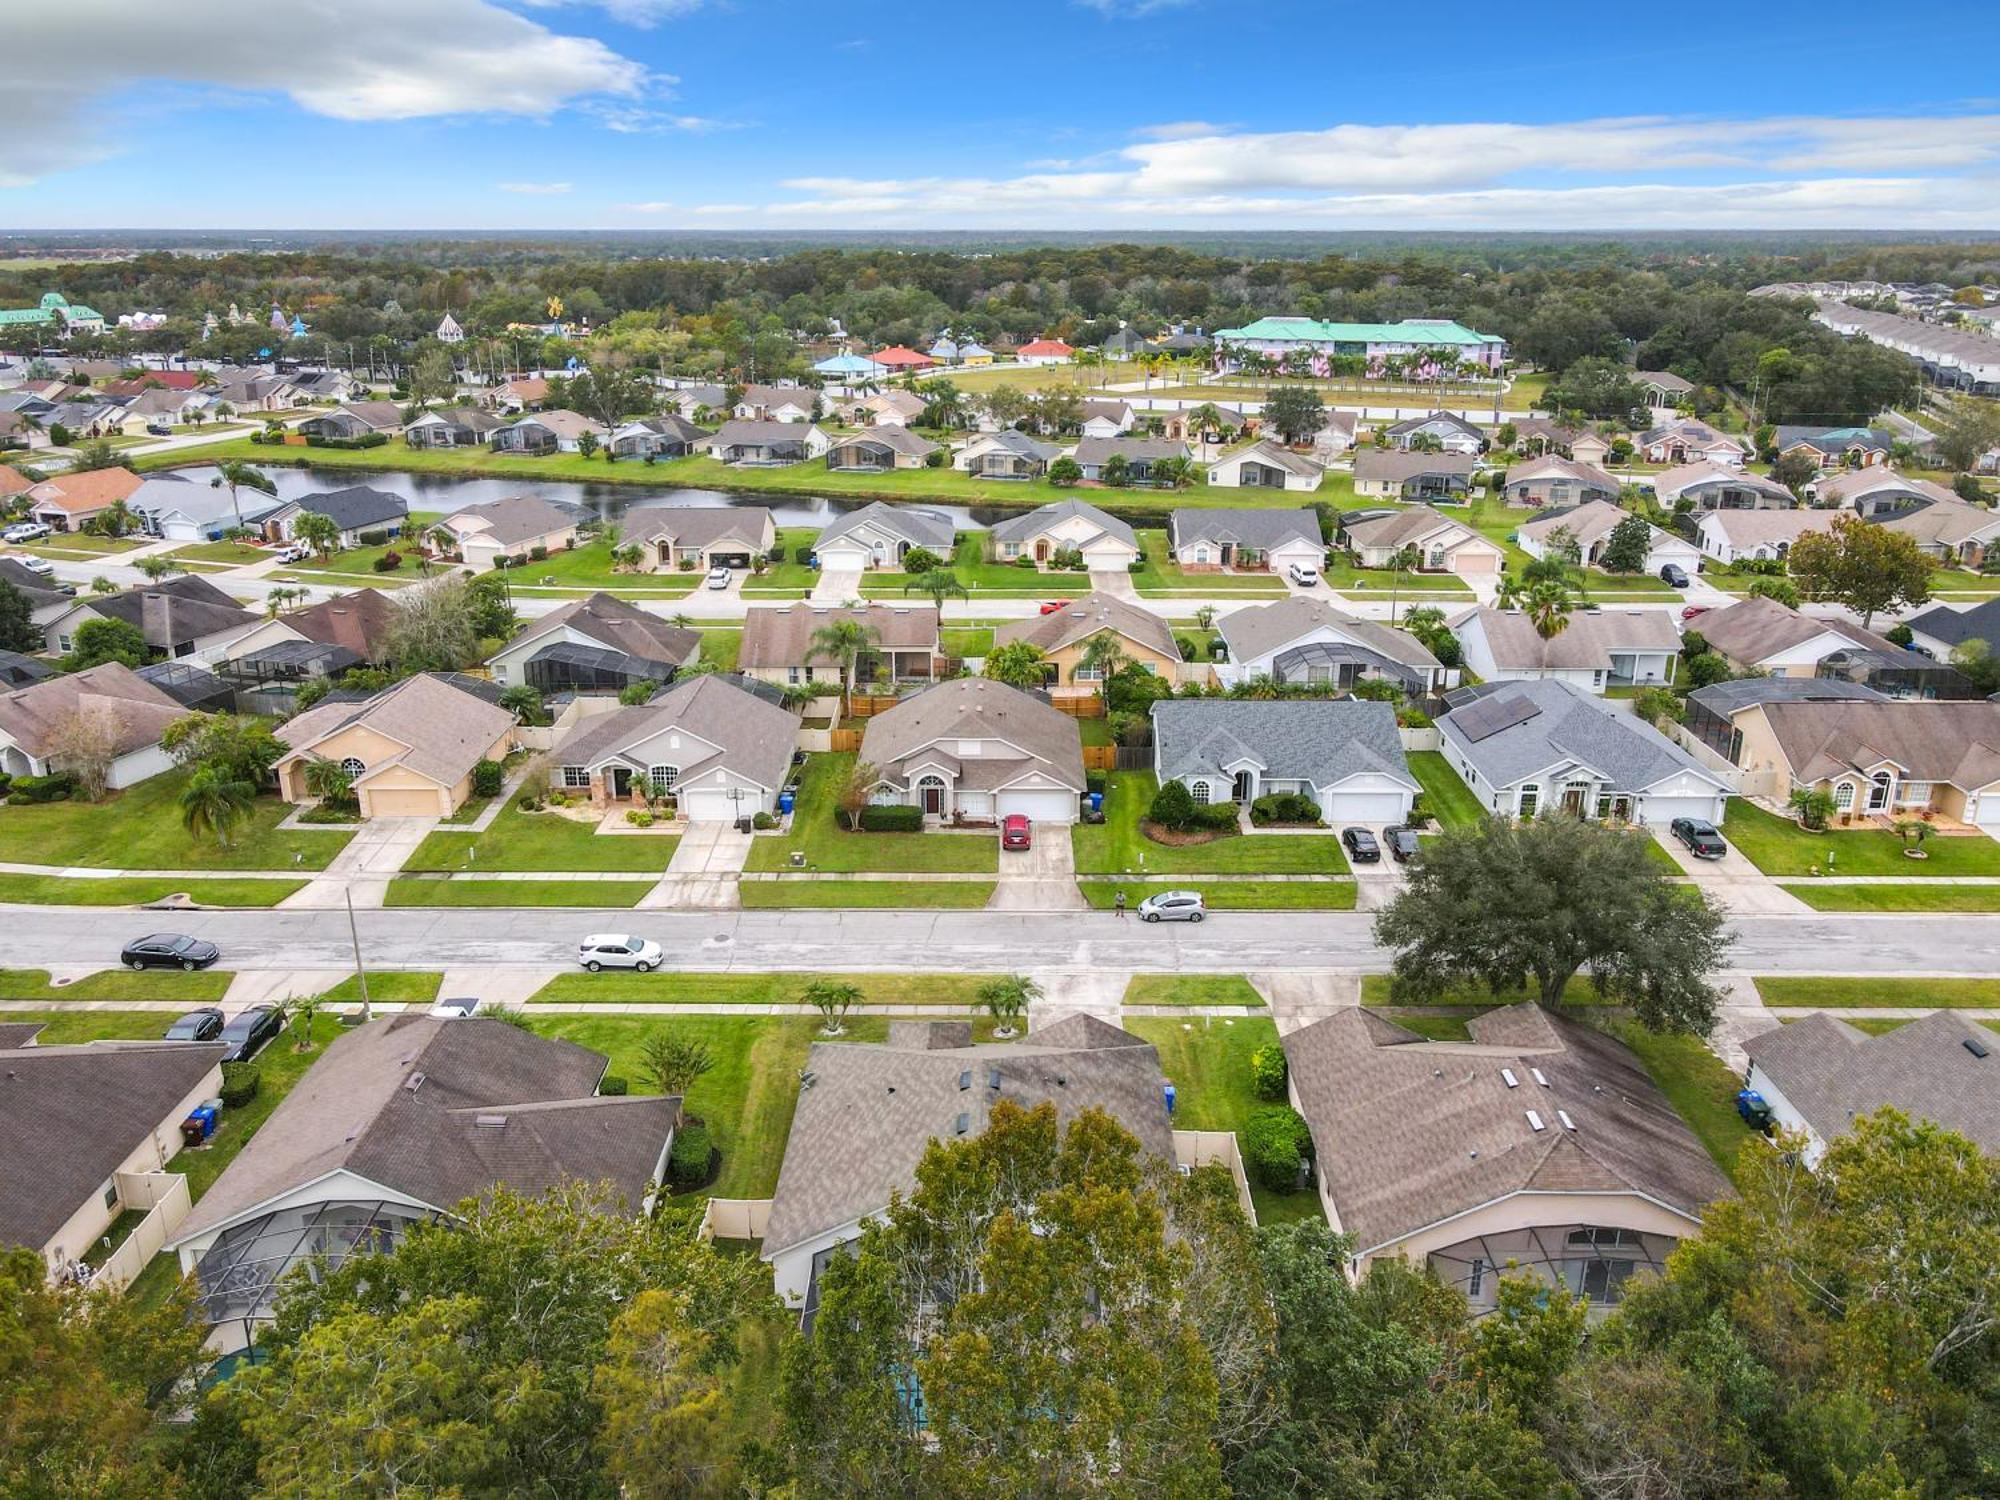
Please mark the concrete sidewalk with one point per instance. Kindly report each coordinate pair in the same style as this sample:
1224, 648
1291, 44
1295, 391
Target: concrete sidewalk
364, 868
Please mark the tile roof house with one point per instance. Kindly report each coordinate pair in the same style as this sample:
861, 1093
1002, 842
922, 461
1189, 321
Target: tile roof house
1540, 1142
1006, 454
1555, 480
1206, 539
1107, 543
1140, 455
777, 643
553, 652
1388, 474
975, 750
68, 500
1044, 352
401, 1121
1455, 433
1820, 1074
1590, 525
764, 444
1536, 745
1687, 441
1718, 486
32, 718
719, 752
1444, 544
1346, 754
1266, 466
357, 509
1598, 648
1761, 535
1062, 636
87, 1131
184, 616
868, 1110
878, 535
512, 528
1301, 639
700, 537
409, 750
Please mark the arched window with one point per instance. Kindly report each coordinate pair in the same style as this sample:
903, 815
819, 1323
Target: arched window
1199, 791
664, 779
930, 794
351, 768
1843, 796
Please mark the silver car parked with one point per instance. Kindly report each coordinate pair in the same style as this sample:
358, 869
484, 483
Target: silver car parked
1173, 906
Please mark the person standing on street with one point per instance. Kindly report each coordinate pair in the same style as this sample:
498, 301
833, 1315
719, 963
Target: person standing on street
1121, 903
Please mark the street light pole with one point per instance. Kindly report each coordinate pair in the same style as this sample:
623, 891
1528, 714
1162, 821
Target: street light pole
360, 973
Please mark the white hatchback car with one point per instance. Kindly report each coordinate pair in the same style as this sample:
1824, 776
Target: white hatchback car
619, 950
1173, 906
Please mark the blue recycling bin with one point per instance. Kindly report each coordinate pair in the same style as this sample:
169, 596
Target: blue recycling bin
204, 1115
1097, 802
785, 802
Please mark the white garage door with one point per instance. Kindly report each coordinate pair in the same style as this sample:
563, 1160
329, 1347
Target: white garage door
1041, 807
715, 807
1364, 807
1658, 812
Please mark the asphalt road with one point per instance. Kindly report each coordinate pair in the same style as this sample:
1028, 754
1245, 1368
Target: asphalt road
975, 941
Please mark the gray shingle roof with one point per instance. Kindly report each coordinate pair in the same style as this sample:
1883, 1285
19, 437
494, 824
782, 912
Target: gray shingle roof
1831, 1072
1257, 528
1256, 630
1039, 520
755, 737
1436, 419
1020, 443
1585, 643
1320, 741
898, 439
1395, 465
914, 524
700, 526
357, 507
977, 708
1943, 623
1566, 724
1094, 450
1277, 456
870, 1109
1753, 630
519, 518
620, 625
1726, 698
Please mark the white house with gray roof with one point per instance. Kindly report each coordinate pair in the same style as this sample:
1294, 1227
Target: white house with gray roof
1536, 746
1345, 754
1304, 640
1006, 454
878, 535
1140, 455
1598, 648
1107, 543
1266, 466
976, 750
764, 445
1207, 539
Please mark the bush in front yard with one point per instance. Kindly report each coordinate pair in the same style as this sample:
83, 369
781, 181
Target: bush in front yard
612, 1086
691, 1162
892, 819
1173, 806
764, 820
487, 778
1275, 1142
1267, 1071
1284, 807
240, 1082
51, 788
388, 562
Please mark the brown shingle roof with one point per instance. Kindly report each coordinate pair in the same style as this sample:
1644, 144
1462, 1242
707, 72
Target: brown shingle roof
1414, 523
1931, 739
775, 638
519, 518
977, 708
754, 738
359, 621
29, 715
1586, 643
620, 625
1091, 615
1831, 1073
1759, 628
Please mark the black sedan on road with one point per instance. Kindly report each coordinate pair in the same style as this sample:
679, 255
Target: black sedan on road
169, 950
203, 1025
249, 1030
1699, 835
1361, 846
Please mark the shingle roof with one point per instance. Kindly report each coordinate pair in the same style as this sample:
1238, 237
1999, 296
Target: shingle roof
174, 611
1042, 518
1098, 450
1942, 622
1020, 443
1436, 419
1257, 630
754, 738
1559, 722
1395, 466
517, 519
901, 439
1586, 643
620, 625
779, 638
29, 716
1409, 1132
1319, 741
1555, 466
1670, 484
447, 729
867, 1111
357, 507
1587, 522
1828, 440
1261, 529
1754, 528
1931, 739
1394, 528
360, 621
70, 1116
1089, 616
1726, 698
802, 396
978, 708
1944, 523
1830, 1072
1760, 628
1277, 456
1666, 380
915, 525
1851, 484
86, 490
1692, 431
758, 434
400, 1103
699, 526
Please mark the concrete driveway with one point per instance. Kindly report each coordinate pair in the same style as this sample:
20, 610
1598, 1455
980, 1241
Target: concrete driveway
705, 869
364, 868
1115, 583
837, 586
1735, 884
1041, 877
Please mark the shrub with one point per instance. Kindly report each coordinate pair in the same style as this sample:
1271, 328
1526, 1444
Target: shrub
638, 817
51, 788
1275, 1142
935, 459
802, 555
1025, 561
1187, 648
764, 820
1655, 704
892, 819
1267, 1071
613, 1086
1173, 806
487, 778
1217, 817
388, 562
1412, 718
538, 553
689, 1163
528, 802
240, 1082
1136, 567
1284, 807
5, 782
1094, 781
377, 538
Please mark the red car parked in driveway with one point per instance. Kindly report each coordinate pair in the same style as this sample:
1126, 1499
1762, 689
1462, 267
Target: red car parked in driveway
1055, 604
1014, 831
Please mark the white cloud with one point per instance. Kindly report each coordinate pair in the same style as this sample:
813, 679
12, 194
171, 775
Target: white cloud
358, 60
641, 13
638, 119
657, 206
722, 210
535, 189
1178, 130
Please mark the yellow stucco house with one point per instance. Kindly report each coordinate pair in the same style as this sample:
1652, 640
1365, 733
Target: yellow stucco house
409, 750
1063, 635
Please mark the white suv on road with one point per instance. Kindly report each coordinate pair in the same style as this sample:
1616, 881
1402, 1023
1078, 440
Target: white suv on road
618, 950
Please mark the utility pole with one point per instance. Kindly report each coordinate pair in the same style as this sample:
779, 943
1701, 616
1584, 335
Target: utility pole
360, 973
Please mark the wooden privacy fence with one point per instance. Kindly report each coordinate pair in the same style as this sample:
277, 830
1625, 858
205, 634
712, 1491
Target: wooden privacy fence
1100, 757
1080, 706
164, 1196
844, 739
861, 706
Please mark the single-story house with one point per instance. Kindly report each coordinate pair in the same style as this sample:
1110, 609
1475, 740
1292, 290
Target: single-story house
399, 1123
1952, 531
1591, 525
901, 359
18, 670
975, 750
1301, 639
765, 444
1731, 536
1062, 635
1762, 635
157, 407
716, 750
879, 534
180, 616
358, 510
46, 597
1555, 480
1454, 433
844, 370
1140, 455
1345, 754
453, 427
867, 1112
602, 643
1838, 447
86, 1133
20, 430
1689, 441
1126, 343
65, 502
1107, 419
482, 535
1878, 492
408, 750
1266, 466
355, 419
359, 622
1598, 648
1444, 545
691, 401
1335, 437
670, 435
1107, 543
1717, 486
176, 509
776, 403
887, 409
1210, 539
903, 643
547, 432
1389, 474
1044, 352
1941, 629
700, 536
1820, 1074
520, 393
1540, 744
1662, 388
33, 717
877, 450
1712, 715
1540, 1145
1006, 454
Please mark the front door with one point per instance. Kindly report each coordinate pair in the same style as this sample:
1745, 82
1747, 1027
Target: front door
1240, 789
933, 791
1041, 549
621, 782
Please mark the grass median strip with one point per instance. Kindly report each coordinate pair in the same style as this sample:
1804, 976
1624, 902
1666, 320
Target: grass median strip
1192, 989
1778, 846
1922, 896
668, 987
1230, 895
138, 890
1119, 845
416, 891
955, 895
1831, 990
117, 984
388, 986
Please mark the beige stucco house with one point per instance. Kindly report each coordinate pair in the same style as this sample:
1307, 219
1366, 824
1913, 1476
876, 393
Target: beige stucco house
1065, 634
409, 750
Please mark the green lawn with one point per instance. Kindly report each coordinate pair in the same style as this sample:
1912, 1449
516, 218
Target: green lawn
980, 575
418, 891
828, 847
1437, 1026
721, 644
542, 841
974, 641
137, 890
1345, 576
140, 829
117, 984
1232, 895
956, 895
1208, 1063
1192, 989
69, 1028
1778, 846
1918, 897
389, 986
623, 987
1954, 994
68, 542
1377, 989
1447, 796
1697, 1085
1117, 845
1162, 575
220, 552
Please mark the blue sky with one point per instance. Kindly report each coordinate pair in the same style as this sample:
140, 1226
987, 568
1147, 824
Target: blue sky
1090, 114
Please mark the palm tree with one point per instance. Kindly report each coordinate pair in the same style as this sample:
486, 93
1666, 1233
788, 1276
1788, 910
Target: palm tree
1203, 420
328, 781
213, 802
234, 474
940, 583
1509, 592
843, 641
156, 568
1006, 998
118, 518
1548, 607
1405, 559
1103, 654
276, 600
319, 532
